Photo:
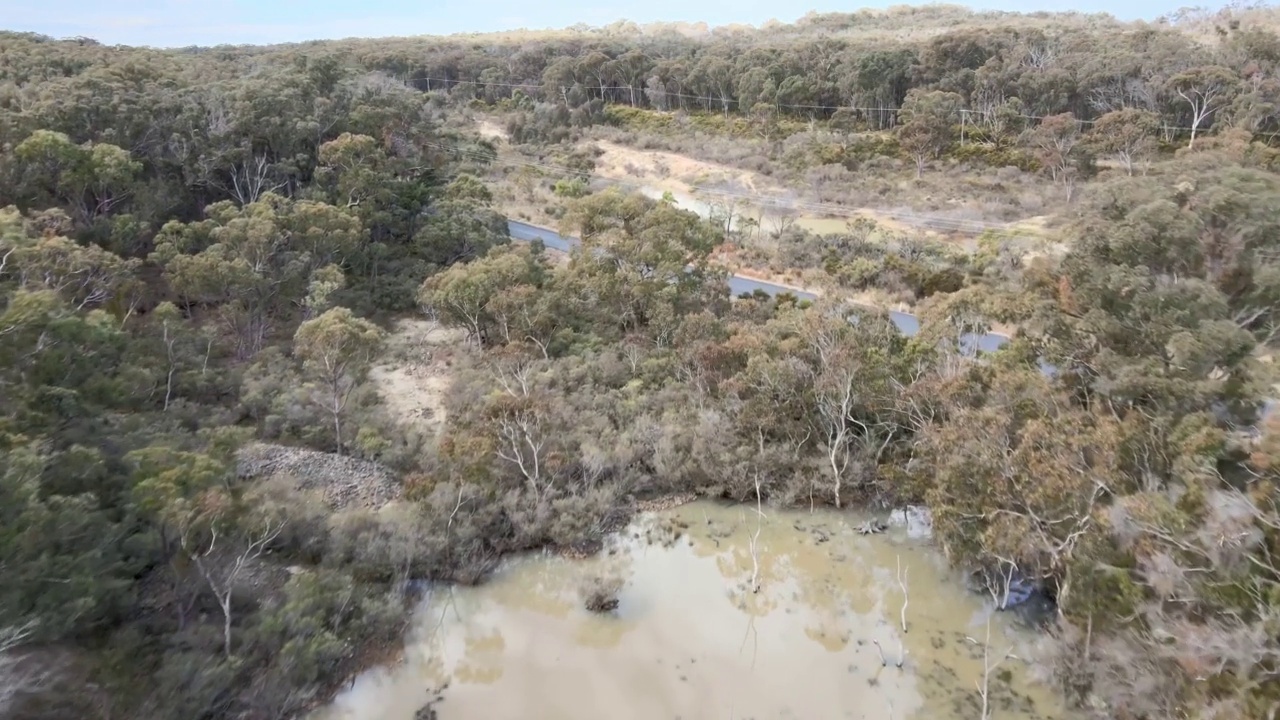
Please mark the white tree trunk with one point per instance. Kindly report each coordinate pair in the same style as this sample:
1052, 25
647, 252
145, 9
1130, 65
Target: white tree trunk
222, 581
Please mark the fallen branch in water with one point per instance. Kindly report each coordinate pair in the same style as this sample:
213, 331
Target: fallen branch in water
984, 689
755, 560
902, 582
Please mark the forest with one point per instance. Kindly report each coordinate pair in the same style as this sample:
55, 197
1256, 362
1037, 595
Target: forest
208, 257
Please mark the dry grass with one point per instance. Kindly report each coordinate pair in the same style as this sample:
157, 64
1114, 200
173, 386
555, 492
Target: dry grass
676, 172
950, 193
708, 187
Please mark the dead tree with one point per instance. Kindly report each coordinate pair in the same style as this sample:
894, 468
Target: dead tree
251, 179
222, 577
755, 539
902, 582
883, 662
18, 676
523, 446
984, 686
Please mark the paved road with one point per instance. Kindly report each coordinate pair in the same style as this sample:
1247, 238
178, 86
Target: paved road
906, 322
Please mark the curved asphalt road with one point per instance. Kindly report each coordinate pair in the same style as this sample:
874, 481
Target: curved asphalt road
906, 322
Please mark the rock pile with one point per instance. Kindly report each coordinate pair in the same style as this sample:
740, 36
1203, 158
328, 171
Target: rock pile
344, 481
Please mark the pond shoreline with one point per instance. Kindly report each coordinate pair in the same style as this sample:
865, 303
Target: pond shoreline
820, 591
386, 657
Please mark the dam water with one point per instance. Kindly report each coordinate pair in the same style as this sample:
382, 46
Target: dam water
722, 613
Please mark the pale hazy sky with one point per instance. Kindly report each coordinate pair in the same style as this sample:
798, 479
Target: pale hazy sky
175, 23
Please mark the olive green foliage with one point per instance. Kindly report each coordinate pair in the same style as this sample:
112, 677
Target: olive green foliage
856, 72
186, 253
337, 349
195, 245
570, 188
929, 125
1110, 482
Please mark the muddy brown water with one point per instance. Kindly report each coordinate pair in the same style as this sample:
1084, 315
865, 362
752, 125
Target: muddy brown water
691, 640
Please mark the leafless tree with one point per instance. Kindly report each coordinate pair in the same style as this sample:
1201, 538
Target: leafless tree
755, 539
656, 91
1040, 55
988, 667
1003, 587
523, 444
217, 115
169, 338
1205, 90
251, 179
725, 211
783, 219
838, 397
835, 409
902, 582
633, 352
986, 100
18, 676
221, 570
522, 441
1120, 93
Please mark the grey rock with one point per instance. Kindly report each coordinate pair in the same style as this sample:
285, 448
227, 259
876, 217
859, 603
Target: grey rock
343, 481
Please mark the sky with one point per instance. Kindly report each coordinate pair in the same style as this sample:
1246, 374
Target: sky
177, 23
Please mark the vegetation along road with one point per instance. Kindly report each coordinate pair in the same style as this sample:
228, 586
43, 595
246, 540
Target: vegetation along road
738, 284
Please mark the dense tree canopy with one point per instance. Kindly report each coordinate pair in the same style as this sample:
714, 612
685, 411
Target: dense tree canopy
201, 250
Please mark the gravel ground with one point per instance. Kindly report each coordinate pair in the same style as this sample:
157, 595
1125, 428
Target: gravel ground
344, 481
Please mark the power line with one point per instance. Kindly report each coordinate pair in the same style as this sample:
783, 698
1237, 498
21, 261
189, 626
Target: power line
724, 100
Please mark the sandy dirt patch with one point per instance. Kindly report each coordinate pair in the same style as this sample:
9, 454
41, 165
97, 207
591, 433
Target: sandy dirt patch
415, 371
491, 130
675, 172
707, 188
748, 194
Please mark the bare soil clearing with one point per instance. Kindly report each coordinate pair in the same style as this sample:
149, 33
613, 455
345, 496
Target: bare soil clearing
726, 188
415, 371
491, 130
675, 172
713, 189
706, 187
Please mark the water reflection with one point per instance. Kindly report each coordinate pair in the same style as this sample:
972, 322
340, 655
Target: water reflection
693, 637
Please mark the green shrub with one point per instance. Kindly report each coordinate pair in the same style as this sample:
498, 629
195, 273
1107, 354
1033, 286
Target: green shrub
858, 273
574, 188
947, 280
869, 147
994, 156
633, 118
